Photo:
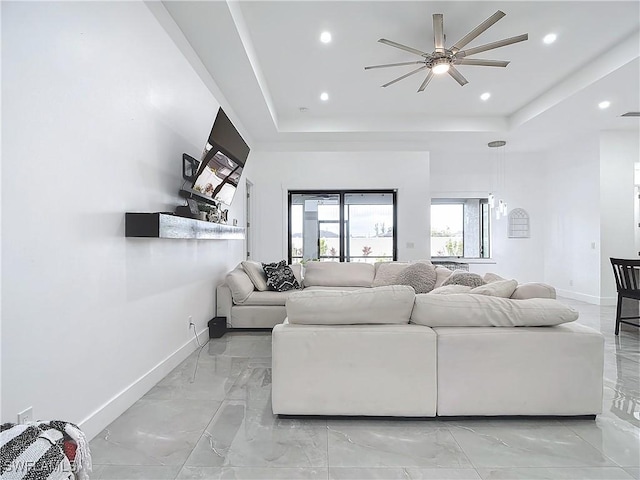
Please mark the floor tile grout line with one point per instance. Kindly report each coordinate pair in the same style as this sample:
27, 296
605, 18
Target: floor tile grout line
462, 450
594, 446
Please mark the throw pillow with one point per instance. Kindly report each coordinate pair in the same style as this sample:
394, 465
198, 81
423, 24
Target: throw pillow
449, 289
500, 288
256, 273
420, 276
492, 277
387, 272
280, 276
442, 273
464, 278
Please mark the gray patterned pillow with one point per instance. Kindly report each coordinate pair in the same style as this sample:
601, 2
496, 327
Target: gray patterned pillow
421, 276
280, 277
472, 280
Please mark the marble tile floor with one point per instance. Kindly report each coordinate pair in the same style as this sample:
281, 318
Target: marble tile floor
210, 418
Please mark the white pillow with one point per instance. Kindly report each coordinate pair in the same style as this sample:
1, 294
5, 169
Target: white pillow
387, 272
382, 305
497, 288
240, 285
469, 310
256, 273
534, 290
449, 289
492, 277
442, 273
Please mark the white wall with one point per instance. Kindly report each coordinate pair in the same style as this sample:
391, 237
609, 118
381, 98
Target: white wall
274, 173
98, 106
572, 243
516, 178
619, 151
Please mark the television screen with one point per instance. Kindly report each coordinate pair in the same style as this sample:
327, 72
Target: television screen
215, 177
219, 178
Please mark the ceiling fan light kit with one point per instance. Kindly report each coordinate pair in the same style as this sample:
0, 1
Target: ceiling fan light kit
443, 60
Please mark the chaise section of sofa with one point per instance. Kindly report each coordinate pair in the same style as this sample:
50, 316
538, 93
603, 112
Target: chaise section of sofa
353, 353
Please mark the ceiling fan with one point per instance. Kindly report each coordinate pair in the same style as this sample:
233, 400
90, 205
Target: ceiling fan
442, 60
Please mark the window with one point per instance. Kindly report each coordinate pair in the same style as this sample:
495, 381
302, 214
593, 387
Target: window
342, 226
460, 227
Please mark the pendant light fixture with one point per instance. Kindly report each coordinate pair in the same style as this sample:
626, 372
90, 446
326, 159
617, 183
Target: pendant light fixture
499, 207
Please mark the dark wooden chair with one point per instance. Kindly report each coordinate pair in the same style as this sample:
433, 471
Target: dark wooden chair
627, 274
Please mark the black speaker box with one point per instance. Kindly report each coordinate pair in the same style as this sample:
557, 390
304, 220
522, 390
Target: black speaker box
217, 327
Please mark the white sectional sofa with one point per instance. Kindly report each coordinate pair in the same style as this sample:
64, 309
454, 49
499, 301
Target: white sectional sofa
244, 306
349, 347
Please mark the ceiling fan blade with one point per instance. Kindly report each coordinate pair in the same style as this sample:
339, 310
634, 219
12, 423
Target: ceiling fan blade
393, 65
457, 76
426, 81
404, 76
482, 63
492, 45
477, 31
438, 32
402, 47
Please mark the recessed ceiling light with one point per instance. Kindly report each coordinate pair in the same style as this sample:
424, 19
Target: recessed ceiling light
485, 96
604, 104
324, 96
325, 37
549, 38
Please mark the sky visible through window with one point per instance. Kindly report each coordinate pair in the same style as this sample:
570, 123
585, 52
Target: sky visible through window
362, 223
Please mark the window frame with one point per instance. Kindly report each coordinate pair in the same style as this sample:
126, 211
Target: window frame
343, 229
482, 226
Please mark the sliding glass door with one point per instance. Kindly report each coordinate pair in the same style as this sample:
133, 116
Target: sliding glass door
351, 226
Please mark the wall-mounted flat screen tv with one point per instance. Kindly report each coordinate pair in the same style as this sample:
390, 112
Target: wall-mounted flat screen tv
216, 176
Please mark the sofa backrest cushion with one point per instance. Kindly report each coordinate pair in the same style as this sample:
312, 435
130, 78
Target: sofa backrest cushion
338, 274
240, 284
469, 310
387, 272
534, 290
380, 305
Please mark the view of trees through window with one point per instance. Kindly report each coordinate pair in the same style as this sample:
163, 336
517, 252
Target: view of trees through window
460, 228
367, 233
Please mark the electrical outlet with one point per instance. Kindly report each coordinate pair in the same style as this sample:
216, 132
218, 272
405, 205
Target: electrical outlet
25, 416
190, 319
571, 283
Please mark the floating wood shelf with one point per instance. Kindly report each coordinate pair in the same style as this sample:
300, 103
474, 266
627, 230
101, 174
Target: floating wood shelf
167, 225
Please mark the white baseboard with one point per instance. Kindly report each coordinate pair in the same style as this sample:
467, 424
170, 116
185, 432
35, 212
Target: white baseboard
116, 406
583, 297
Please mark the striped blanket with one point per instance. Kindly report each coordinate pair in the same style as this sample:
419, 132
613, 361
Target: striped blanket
36, 451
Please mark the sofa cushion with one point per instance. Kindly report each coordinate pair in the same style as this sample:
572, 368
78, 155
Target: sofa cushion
381, 305
497, 288
240, 284
420, 276
280, 276
469, 310
387, 272
442, 273
449, 289
534, 290
256, 273
464, 278
338, 274
268, 298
